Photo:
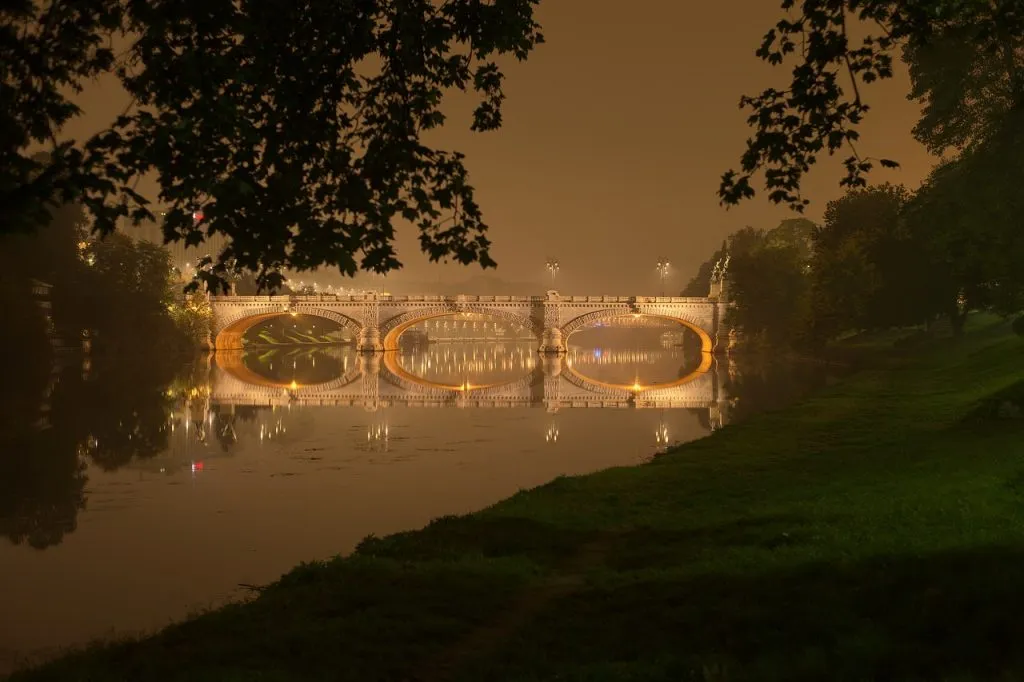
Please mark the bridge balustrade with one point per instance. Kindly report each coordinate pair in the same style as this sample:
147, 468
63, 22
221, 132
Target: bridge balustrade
380, 318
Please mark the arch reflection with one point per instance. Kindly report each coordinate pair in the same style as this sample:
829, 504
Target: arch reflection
620, 369
511, 373
463, 367
291, 369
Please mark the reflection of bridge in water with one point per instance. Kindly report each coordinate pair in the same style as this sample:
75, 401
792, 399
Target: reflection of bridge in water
379, 381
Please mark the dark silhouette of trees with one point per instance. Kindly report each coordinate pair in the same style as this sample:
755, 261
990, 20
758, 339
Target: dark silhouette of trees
967, 69
869, 270
968, 215
887, 257
769, 282
295, 129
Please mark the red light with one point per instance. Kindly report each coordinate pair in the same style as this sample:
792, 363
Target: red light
197, 466
197, 217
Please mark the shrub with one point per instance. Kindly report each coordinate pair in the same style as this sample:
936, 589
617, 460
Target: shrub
1006, 405
1018, 326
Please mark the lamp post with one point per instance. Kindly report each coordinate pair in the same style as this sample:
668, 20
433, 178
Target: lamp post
662, 273
552, 266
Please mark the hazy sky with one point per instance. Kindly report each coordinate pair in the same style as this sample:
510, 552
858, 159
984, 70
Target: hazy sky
616, 132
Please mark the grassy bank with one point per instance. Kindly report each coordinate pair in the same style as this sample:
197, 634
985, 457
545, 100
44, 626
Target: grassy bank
875, 531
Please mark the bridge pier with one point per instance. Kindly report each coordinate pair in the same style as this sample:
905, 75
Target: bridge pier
551, 342
369, 340
551, 369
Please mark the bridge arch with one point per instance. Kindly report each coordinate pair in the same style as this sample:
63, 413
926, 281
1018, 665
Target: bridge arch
233, 326
233, 364
707, 344
392, 329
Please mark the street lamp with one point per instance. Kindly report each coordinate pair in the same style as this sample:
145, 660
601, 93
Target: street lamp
662, 273
552, 266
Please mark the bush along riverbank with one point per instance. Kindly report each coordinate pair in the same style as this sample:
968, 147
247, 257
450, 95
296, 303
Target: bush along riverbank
875, 531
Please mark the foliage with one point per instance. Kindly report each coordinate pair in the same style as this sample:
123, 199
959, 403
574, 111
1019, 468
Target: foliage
295, 129
117, 287
1018, 326
869, 271
886, 258
193, 316
967, 216
769, 284
126, 269
967, 72
124, 292
49, 253
969, 76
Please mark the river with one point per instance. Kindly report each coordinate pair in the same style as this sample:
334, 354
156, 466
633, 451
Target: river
136, 491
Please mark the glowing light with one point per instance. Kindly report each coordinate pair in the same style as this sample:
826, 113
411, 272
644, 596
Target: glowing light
661, 435
552, 434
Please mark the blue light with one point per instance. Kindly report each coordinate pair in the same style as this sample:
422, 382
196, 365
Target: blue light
597, 352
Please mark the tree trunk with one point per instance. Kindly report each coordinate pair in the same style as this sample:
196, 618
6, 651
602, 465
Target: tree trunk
957, 318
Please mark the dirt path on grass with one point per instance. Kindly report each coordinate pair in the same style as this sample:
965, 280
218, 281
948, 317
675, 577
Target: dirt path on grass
490, 637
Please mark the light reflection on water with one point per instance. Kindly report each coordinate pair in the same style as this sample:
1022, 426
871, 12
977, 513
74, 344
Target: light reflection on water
136, 497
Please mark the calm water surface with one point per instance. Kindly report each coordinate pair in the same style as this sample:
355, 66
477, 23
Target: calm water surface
133, 492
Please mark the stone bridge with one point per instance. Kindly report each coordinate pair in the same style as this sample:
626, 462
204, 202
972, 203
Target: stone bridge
378, 320
379, 381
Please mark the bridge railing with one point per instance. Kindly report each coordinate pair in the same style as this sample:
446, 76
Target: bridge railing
672, 299
359, 298
250, 299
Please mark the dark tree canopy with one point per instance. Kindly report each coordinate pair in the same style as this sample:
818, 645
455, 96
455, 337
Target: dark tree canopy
823, 106
769, 283
291, 126
869, 271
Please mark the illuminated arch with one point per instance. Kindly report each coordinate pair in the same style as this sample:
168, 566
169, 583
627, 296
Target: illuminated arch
392, 329
231, 328
233, 364
707, 344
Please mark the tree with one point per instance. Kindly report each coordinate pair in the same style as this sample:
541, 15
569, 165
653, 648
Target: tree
125, 292
797, 233
769, 285
193, 316
966, 216
869, 271
969, 78
964, 92
293, 128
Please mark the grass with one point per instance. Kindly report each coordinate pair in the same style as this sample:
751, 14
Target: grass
875, 531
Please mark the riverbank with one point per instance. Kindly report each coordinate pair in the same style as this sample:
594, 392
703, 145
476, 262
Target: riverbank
873, 531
